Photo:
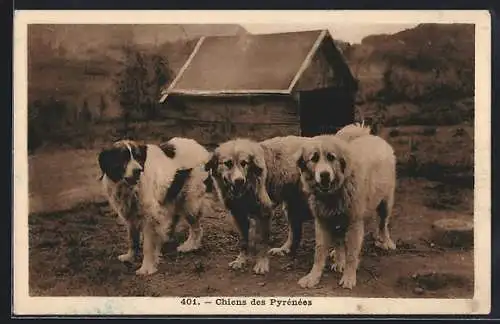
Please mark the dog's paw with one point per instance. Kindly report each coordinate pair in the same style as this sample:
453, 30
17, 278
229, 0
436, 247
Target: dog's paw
309, 281
338, 266
386, 244
127, 257
348, 281
237, 264
281, 251
158, 258
158, 254
187, 247
338, 261
292, 264
262, 266
146, 269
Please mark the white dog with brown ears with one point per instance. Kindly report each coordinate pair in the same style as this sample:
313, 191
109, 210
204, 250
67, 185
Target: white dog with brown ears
151, 187
347, 177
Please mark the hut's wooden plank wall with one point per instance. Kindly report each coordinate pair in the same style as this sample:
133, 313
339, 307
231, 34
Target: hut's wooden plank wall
212, 121
238, 112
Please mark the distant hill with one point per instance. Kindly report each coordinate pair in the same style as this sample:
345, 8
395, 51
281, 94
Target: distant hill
76, 63
425, 68
424, 48
89, 41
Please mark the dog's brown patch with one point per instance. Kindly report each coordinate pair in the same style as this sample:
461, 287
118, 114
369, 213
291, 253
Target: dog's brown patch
113, 161
180, 179
168, 149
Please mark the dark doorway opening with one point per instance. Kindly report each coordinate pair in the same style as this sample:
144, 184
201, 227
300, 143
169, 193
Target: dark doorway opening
324, 111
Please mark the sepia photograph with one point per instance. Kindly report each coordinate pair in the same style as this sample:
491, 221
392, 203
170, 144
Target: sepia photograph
252, 163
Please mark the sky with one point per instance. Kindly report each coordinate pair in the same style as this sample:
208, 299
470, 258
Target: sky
352, 33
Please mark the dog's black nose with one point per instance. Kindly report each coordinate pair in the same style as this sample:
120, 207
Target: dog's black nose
238, 183
324, 177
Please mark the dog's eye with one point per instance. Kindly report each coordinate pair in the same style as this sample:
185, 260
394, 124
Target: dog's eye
228, 164
243, 163
315, 157
330, 157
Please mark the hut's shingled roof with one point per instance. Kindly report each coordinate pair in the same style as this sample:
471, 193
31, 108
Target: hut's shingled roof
264, 63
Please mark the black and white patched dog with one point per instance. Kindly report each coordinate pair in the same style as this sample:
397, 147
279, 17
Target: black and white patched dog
151, 187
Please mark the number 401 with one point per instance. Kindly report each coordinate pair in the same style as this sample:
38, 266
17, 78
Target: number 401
189, 301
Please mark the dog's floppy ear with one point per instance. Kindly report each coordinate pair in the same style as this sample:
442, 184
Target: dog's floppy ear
109, 162
143, 153
343, 164
211, 165
257, 165
299, 158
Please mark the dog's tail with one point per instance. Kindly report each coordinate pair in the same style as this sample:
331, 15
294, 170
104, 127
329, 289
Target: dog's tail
353, 131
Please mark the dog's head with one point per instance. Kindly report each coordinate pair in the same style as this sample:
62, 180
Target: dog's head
323, 165
236, 165
123, 161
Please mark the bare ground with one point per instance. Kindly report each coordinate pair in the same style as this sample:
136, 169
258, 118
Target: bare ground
74, 238
73, 250
59, 180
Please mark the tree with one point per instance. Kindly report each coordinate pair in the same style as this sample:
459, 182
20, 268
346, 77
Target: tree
387, 92
127, 84
139, 82
45, 119
158, 75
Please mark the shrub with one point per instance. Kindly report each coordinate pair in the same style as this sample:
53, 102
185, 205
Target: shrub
138, 83
459, 175
45, 119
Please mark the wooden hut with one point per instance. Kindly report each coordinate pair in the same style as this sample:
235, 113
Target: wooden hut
260, 86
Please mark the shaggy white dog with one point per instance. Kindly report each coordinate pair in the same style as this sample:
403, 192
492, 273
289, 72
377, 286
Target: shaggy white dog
352, 131
288, 145
151, 187
346, 181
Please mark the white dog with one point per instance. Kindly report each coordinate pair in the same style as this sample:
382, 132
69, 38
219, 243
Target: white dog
345, 182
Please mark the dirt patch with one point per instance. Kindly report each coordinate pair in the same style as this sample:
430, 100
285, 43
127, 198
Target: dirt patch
432, 282
74, 252
62, 180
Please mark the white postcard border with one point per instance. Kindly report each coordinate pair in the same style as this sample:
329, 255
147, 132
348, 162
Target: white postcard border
480, 304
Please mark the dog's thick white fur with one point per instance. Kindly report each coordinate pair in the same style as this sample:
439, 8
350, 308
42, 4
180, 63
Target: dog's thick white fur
289, 173
167, 189
353, 131
359, 180
283, 184
190, 152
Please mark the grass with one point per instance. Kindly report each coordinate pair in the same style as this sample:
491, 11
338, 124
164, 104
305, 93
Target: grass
434, 153
74, 237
